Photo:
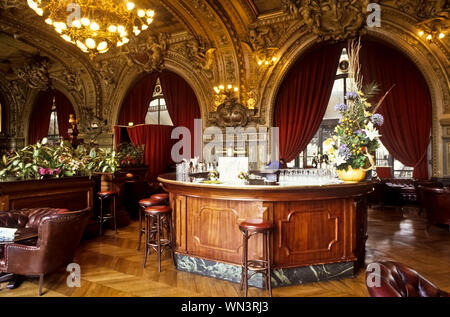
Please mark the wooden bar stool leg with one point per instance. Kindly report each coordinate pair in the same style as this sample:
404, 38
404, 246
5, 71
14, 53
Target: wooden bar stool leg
140, 228
269, 274
146, 238
158, 240
246, 262
243, 262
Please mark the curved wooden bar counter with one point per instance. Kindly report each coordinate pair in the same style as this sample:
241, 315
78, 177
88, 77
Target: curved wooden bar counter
319, 233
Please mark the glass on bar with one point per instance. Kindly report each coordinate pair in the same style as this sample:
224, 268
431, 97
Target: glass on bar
308, 177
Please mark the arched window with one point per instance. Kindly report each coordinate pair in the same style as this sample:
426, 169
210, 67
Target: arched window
53, 129
157, 112
50, 117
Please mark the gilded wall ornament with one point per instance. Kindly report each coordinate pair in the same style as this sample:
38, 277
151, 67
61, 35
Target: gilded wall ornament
73, 83
202, 56
330, 20
106, 72
231, 114
147, 53
91, 125
35, 73
10, 4
423, 9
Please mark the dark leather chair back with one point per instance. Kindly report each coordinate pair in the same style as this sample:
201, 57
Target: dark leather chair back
58, 237
419, 193
399, 280
436, 201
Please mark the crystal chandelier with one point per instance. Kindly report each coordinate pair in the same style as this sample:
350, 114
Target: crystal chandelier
94, 25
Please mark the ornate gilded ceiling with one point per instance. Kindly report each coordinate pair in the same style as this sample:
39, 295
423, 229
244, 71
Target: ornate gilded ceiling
246, 43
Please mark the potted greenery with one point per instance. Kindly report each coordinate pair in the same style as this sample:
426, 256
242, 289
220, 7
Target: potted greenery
356, 137
42, 161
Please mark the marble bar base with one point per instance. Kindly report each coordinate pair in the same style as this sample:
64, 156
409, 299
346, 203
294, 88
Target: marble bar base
280, 277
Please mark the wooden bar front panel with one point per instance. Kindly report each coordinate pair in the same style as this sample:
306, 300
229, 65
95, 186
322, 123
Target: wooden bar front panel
213, 229
309, 232
312, 225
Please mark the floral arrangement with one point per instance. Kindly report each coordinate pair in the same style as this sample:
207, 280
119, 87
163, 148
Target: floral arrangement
213, 175
130, 154
356, 136
243, 175
44, 160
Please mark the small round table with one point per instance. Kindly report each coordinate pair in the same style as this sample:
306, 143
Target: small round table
22, 235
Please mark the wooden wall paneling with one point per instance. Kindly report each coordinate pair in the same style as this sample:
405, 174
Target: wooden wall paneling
4, 203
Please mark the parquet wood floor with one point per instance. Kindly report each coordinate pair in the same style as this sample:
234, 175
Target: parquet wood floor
111, 265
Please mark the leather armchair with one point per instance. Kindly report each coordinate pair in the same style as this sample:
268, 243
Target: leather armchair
419, 194
436, 202
58, 236
399, 280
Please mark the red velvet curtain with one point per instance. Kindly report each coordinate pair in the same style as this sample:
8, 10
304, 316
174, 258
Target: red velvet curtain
180, 99
135, 105
117, 136
303, 98
407, 109
181, 102
64, 109
156, 140
40, 117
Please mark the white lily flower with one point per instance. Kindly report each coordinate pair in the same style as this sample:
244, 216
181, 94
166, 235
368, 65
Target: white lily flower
371, 131
340, 160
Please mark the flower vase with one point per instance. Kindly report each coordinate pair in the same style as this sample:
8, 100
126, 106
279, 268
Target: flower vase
351, 175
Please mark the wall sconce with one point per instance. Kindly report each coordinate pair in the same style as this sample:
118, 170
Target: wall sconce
430, 36
267, 62
434, 27
226, 90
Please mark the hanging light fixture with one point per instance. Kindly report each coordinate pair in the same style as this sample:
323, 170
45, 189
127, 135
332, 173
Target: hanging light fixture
94, 26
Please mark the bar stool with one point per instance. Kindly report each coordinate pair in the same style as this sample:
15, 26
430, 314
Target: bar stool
249, 228
162, 215
144, 203
162, 197
104, 195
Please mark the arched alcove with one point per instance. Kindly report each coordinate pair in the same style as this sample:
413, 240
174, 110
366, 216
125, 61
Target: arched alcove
181, 100
39, 119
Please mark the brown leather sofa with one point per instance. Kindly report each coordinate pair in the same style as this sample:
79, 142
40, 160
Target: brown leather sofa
27, 217
58, 236
436, 202
399, 280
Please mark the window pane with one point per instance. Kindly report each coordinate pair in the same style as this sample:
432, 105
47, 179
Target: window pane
291, 164
337, 97
382, 156
165, 118
53, 130
151, 117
